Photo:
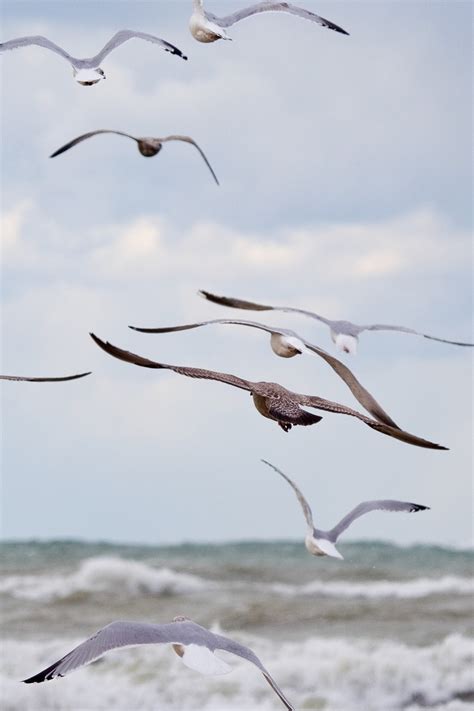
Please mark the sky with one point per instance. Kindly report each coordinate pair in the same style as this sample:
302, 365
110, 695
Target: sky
346, 182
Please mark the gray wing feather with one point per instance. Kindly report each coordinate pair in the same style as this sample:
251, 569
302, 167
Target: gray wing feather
329, 406
366, 507
360, 393
304, 504
188, 139
84, 136
188, 326
38, 40
125, 35
229, 20
44, 380
129, 357
229, 645
402, 329
251, 306
117, 634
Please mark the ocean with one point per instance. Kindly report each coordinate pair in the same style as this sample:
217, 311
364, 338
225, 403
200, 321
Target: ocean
387, 628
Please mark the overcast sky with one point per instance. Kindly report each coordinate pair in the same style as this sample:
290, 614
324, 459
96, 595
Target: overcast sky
345, 169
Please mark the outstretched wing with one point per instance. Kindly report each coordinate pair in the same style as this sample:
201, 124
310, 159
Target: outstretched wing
229, 645
38, 40
84, 136
251, 306
125, 35
321, 404
117, 634
402, 329
188, 139
188, 326
44, 380
357, 389
182, 370
304, 504
229, 20
366, 507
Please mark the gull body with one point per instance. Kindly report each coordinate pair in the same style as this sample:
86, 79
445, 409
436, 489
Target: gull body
287, 344
207, 27
194, 645
322, 543
272, 400
344, 334
148, 146
88, 71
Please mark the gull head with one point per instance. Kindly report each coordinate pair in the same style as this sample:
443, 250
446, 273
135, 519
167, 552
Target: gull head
89, 77
345, 342
181, 618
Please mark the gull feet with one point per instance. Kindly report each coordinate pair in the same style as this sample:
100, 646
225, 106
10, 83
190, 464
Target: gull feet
285, 426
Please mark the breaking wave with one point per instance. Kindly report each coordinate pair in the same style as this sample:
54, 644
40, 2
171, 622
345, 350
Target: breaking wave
315, 673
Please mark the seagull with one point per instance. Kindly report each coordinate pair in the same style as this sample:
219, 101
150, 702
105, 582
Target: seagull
271, 399
344, 334
195, 645
206, 27
44, 380
87, 71
287, 344
322, 542
147, 146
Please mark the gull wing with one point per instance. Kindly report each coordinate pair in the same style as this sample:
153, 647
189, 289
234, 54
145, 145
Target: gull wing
84, 136
329, 406
188, 326
38, 40
229, 645
402, 329
251, 306
367, 400
129, 357
125, 35
366, 507
117, 634
188, 139
45, 380
304, 504
229, 20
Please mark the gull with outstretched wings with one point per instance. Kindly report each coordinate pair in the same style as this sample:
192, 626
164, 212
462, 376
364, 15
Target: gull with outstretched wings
344, 334
87, 71
195, 645
148, 146
271, 399
206, 27
287, 344
319, 542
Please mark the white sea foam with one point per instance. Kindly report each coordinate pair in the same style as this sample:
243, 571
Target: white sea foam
102, 574
132, 578
316, 673
416, 588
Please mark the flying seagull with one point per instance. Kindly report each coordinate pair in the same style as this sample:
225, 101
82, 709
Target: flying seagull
87, 71
271, 399
206, 27
147, 146
44, 380
344, 334
286, 344
320, 542
195, 645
